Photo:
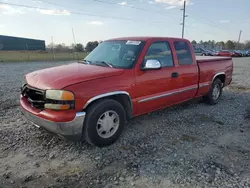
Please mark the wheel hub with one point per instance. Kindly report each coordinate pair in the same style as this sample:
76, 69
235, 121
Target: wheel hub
108, 124
216, 92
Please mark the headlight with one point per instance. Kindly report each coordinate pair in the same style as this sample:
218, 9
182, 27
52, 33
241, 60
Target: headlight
59, 100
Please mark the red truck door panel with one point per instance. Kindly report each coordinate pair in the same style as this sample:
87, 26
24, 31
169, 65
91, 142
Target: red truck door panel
157, 88
187, 70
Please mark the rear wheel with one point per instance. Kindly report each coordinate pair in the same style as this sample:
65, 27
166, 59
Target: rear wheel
214, 93
104, 122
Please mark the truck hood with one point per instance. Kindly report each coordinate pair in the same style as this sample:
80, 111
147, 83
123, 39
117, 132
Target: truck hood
62, 76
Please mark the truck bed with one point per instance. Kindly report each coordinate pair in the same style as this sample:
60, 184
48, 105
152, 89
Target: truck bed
201, 59
209, 67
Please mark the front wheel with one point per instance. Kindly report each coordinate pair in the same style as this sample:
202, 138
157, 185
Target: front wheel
214, 93
104, 122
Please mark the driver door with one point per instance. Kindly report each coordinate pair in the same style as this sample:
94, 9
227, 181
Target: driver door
157, 88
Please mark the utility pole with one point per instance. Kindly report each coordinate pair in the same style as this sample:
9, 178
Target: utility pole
239, 39
74, 43
53, 48
183, 18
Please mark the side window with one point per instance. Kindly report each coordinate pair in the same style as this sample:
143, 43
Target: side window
160, 51
183, 53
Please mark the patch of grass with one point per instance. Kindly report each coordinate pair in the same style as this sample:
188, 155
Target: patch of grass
219, 122
238, 88
206, 118
72, 170
188, 138
126, 148
25, 56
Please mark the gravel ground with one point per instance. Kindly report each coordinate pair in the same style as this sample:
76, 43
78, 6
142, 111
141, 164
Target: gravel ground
189, 145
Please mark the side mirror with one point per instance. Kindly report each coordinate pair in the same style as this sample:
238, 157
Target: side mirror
151, 64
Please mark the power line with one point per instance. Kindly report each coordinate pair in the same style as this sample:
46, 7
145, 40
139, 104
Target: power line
113, 17
126, 6
84, 14
204, 21
196, 18
49, 2
138, 8
163, 13
132, 7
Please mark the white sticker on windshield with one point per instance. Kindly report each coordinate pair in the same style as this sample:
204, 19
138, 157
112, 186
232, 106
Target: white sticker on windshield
133, 42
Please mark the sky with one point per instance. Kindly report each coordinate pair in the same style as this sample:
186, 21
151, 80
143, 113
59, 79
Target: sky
218, 20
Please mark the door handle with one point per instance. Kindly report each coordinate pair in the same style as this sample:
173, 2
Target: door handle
174, 75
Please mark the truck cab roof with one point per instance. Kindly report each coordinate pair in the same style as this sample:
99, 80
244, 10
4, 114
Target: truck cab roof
146, 38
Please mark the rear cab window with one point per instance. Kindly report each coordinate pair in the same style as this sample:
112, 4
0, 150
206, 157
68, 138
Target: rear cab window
183, 53
160, 51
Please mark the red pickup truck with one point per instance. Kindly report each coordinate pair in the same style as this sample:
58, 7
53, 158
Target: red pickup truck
120, 79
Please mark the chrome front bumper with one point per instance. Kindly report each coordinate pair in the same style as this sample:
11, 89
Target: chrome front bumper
70, 130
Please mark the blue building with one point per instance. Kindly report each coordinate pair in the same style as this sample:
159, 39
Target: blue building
9, 43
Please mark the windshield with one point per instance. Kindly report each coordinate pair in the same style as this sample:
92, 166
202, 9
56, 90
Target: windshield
119, 54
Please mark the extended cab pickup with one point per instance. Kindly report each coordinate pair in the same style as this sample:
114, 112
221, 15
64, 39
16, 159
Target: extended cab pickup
120, 79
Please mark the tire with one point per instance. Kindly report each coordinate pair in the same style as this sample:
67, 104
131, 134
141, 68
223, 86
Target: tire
210, 98
97, 113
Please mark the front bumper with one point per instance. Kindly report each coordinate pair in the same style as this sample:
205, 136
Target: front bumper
70, 130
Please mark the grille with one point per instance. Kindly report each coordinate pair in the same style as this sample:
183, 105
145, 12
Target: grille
34, 96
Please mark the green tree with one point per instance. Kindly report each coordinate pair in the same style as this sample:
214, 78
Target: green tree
91, 46
247, 44
194, 42
221, 44
79, 47
205, 44
61, 48
230, 45
213, 43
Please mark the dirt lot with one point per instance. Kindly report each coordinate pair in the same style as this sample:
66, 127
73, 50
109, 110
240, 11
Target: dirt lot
189, 145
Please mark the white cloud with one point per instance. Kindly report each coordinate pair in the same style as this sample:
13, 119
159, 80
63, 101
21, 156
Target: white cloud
170, 7
173, 2
54, 12
224, 21
1, 26
6, 9
37, 1
124, 3
96, 23
151, 2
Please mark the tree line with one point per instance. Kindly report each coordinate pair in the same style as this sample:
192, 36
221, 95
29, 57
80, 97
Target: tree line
74, 47
225, 45
206, 44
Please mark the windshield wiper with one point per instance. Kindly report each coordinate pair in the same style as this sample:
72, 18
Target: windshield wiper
84, 61
105, 63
